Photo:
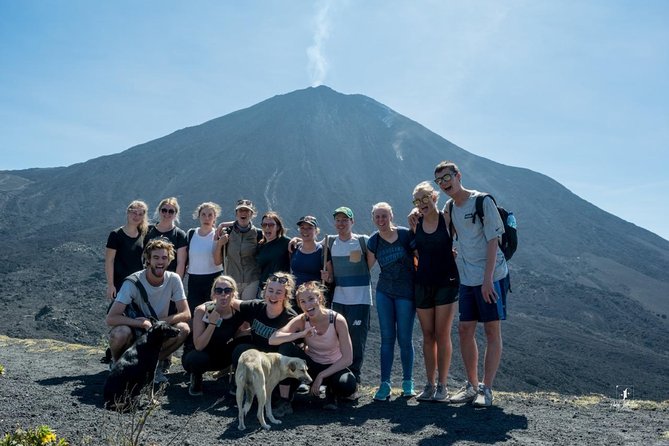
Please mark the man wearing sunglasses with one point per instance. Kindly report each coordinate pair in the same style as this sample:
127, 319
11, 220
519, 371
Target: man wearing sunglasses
348, 267
161, 287
483, 273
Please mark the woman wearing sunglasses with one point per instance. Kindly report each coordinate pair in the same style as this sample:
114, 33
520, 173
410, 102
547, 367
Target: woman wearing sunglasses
436, 291
272, 253
265, 317
214, 326
167, 215
125, 245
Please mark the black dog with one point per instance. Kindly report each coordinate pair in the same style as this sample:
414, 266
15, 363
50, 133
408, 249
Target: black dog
136, 367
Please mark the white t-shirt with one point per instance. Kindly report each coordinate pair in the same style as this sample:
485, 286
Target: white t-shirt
159, 296
472, 239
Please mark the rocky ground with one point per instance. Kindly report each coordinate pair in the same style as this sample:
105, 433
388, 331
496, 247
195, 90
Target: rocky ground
60, 384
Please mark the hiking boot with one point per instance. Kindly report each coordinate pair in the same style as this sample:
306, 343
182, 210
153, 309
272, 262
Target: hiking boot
427, 394
466, 394
159, 377
195, 388
483, 397
441, 394
283, 407
383, 394
407, 388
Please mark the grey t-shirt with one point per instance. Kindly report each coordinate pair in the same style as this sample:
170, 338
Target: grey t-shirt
472, 240
159, 296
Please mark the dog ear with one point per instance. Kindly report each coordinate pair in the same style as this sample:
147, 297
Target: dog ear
292, 366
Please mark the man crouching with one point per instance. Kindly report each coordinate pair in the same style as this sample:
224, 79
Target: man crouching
147, 294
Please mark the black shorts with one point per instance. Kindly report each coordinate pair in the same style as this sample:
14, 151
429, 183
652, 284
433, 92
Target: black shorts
429, 296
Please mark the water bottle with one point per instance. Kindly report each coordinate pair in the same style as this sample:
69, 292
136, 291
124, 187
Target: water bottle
511, 220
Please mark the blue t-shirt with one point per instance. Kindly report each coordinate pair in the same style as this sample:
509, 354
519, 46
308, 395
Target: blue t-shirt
396, 278
307, 267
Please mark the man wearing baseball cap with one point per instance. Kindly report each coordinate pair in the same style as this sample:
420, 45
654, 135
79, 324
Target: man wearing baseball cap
348, 267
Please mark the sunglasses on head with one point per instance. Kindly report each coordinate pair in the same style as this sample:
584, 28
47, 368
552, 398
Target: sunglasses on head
168, 211
444, 178
220, 290
424, 200
281, 280
244, 202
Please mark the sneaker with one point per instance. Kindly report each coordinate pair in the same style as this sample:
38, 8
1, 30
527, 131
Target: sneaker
195, 388
483, 397
441, 394
466, 394
283, 407
383, 394
427, 394
303, 389
407, 388
159, 377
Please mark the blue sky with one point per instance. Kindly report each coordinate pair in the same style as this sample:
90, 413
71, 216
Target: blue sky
577, 90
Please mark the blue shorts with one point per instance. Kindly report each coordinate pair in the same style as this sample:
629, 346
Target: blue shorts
474, 308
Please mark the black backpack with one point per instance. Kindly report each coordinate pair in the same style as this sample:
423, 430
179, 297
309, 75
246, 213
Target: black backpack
509, 242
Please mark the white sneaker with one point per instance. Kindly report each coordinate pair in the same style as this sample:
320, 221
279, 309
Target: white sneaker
483, 397
466, 394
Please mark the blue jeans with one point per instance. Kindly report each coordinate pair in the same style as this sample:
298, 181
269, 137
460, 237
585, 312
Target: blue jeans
396, 320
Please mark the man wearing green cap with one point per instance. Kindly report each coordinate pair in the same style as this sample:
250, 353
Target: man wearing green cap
348, 266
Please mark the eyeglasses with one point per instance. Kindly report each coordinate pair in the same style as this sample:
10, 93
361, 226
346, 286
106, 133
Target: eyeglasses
446, 177
424, 200
168, 211
137, 212
270, 224
281, 280
226, 290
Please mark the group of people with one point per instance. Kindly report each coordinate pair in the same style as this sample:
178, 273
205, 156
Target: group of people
252, 287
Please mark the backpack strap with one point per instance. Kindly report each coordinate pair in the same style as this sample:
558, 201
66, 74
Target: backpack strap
189, 236
479, 207
333, 320
451, 227
134, 279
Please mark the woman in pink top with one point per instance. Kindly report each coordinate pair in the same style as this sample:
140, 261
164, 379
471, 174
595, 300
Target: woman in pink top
327, 344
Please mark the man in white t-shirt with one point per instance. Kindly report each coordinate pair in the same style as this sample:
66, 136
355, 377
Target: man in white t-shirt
483, 284
162, 287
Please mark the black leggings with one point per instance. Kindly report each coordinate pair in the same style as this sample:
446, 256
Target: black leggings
342, 383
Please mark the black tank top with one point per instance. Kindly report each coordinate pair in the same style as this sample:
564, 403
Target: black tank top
436, 264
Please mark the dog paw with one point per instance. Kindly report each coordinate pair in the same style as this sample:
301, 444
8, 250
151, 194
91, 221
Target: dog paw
275, 421
266, 426
241, 427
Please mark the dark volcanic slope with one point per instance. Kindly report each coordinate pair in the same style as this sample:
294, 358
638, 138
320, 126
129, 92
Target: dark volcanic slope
585, 313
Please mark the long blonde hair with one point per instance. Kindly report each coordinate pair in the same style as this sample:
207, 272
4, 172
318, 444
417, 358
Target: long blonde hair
172, 201
143, 227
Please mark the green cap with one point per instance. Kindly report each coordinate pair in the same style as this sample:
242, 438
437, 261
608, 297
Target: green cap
343, 210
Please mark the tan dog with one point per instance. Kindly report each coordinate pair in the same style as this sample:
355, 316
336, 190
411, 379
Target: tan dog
257, 374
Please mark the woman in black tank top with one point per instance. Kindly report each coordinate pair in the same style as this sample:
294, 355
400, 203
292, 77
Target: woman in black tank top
436, 291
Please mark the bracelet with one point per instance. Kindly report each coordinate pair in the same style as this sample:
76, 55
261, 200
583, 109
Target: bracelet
212, 323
